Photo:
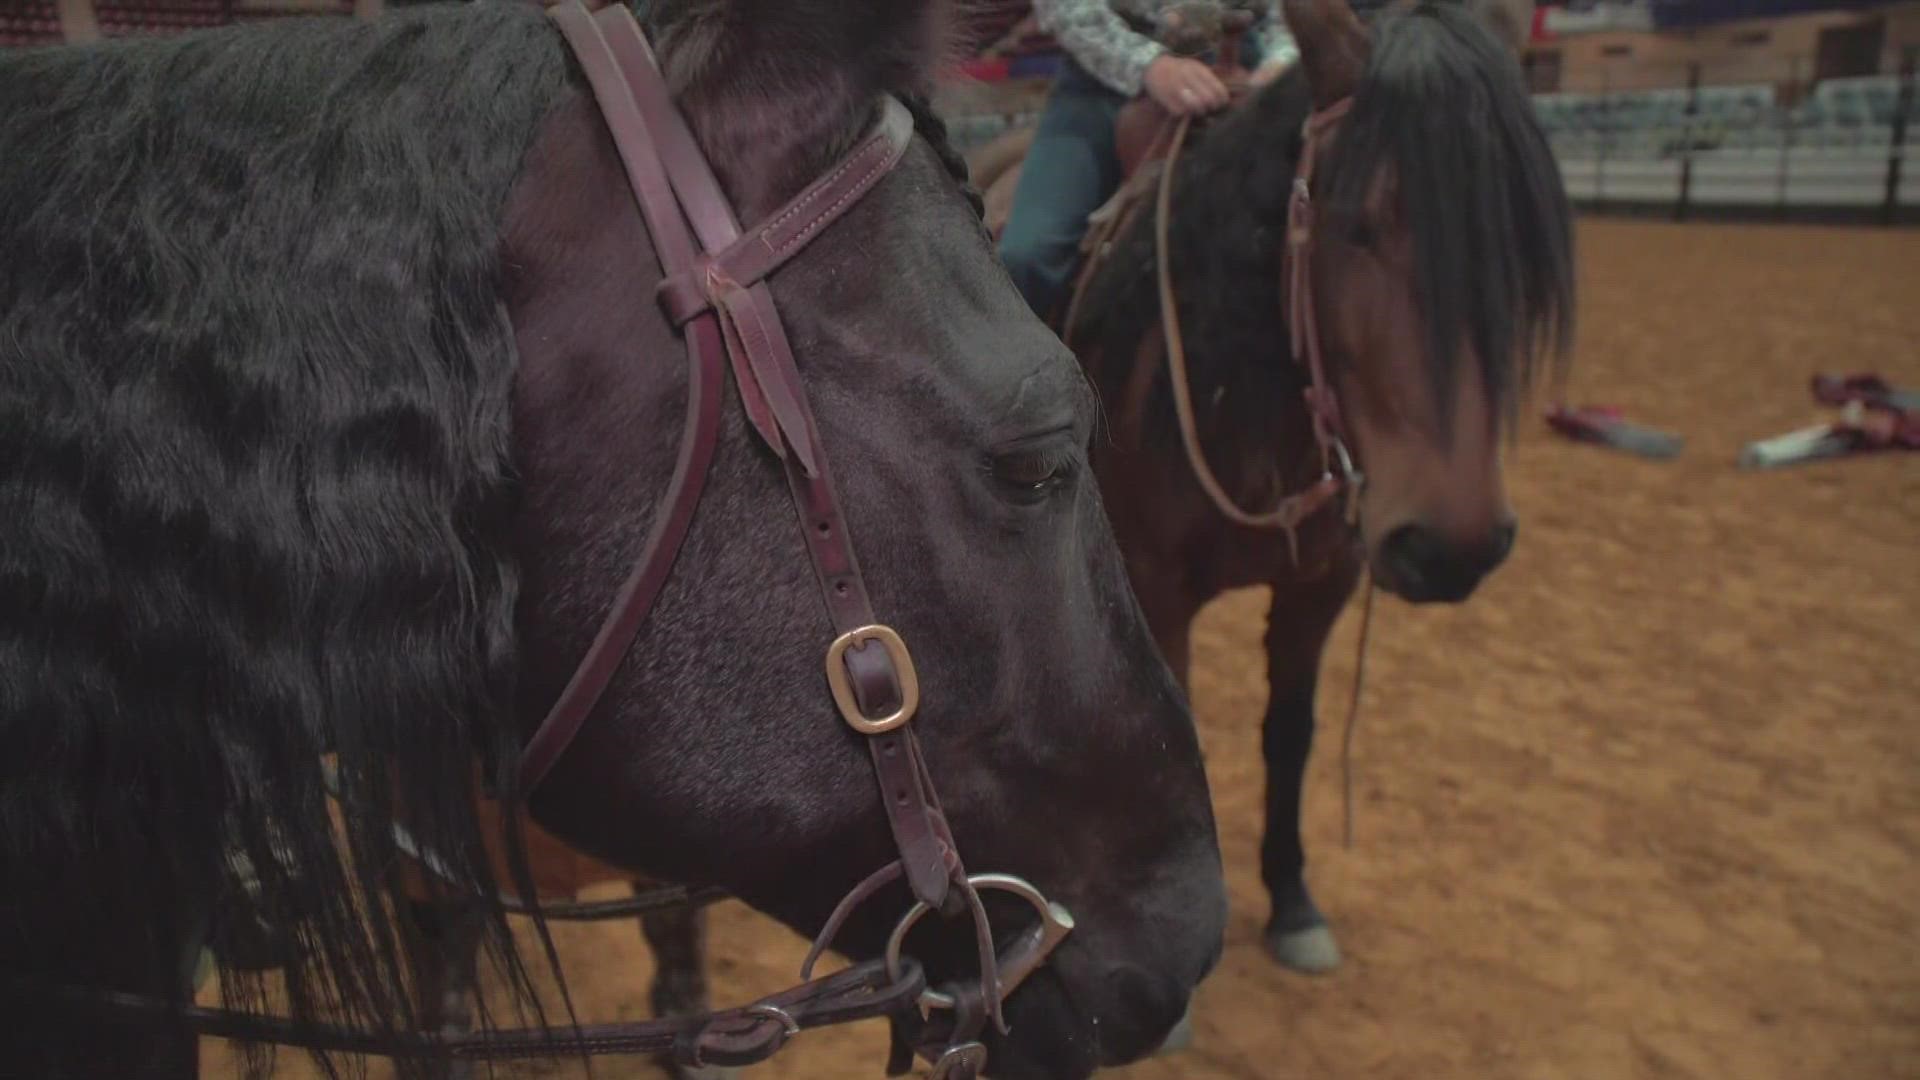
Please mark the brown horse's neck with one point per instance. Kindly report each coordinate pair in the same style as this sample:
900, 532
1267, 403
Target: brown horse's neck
1224, 238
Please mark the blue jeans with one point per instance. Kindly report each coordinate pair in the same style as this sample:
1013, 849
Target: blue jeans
1072, 168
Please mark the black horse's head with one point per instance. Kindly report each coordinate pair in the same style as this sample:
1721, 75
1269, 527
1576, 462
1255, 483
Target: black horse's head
957, 427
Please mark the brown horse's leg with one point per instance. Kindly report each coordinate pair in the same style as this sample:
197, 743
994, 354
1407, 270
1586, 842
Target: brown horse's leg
444, 940
1297, 627
678, 939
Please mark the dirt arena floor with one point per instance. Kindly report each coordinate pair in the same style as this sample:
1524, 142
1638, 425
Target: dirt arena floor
1649, 805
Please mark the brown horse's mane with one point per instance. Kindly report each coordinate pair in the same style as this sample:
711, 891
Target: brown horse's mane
1442, 108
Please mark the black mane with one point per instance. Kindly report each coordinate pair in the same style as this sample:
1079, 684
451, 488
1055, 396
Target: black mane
1443, 109
254, 476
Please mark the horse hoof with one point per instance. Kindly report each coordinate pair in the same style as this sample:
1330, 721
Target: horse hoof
1310, 950
1181, 1037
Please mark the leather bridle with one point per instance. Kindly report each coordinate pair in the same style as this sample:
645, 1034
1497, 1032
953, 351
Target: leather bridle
715, 293
1302, 318
1336, 461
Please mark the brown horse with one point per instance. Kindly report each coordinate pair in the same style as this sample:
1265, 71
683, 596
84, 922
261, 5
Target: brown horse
1440, 273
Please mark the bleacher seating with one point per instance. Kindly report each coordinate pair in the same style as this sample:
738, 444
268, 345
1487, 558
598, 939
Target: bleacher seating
125, 18
1744, 145
37, 22
29, 22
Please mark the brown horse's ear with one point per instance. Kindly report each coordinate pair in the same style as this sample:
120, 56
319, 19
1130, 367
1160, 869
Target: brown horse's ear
1333, 46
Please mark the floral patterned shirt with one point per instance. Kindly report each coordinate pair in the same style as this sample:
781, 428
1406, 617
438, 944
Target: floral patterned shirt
1097, 36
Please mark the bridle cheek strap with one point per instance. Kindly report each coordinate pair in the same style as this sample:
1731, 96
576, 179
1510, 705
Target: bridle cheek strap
1303, 324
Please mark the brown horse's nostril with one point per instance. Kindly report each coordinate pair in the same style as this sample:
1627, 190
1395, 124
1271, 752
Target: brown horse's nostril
1504, 536
1422, 565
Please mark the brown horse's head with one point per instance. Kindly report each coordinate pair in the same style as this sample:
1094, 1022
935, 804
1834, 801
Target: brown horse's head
1441, 271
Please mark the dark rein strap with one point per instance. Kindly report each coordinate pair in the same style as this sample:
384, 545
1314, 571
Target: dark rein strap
731, 1037
1337, 469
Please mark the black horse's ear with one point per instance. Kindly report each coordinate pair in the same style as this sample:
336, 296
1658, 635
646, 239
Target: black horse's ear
1333, 46
1510, 20
775, 90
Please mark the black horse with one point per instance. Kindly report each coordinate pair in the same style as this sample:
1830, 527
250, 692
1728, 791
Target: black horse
334, 405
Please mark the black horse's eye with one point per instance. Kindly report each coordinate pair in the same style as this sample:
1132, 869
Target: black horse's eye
1032, 475
1361, 235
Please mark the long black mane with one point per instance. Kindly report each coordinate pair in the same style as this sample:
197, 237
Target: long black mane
255, 478
1443, 112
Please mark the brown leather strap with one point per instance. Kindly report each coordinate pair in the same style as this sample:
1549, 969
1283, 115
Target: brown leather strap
749, 259
700, 429
1302, 320
732, 1037
1295, 508
756, 336
771, 408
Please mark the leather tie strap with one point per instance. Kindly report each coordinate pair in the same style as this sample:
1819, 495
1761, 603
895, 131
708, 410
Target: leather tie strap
1302, 319
751, 258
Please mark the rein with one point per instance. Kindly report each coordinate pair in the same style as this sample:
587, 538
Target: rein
1304, 334
715, 293
1327, 431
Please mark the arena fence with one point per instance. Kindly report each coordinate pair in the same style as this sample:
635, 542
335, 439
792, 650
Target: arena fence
1778, 144
1785, 146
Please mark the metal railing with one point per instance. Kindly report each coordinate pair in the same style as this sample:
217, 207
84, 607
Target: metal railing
1785, 146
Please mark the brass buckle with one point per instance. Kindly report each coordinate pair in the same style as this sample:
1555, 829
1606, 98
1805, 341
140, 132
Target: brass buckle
842, 686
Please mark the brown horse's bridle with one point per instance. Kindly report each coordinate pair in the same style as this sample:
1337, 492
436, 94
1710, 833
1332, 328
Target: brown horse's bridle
715, 293
1336, 461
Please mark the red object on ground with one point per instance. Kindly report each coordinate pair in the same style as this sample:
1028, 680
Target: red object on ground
1606, 425
1875, 415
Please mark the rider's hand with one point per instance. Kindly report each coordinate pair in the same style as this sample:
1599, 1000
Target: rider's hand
1185, 87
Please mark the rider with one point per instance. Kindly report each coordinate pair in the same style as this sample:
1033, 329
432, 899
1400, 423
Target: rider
1073, 167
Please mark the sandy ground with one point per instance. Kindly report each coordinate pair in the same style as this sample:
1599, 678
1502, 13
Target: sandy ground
1648, 806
